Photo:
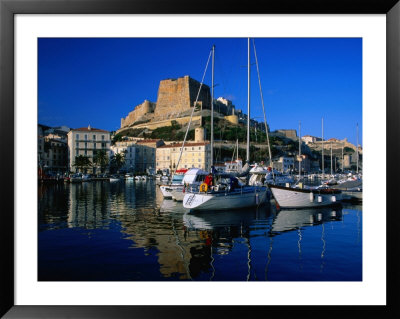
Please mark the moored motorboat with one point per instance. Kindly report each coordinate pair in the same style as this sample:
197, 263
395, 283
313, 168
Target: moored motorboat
76, 178
192, 178
115, 178
176, 183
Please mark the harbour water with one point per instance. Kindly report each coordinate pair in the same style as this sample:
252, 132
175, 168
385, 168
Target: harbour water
126, 231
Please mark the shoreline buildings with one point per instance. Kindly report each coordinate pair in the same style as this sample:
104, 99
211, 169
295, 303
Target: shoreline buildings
87, 141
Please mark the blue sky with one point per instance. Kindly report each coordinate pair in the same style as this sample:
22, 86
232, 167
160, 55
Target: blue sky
97, 81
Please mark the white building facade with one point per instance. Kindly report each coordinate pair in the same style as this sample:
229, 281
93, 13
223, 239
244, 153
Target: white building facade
87, 141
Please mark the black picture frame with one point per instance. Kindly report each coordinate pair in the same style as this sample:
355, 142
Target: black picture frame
9, 8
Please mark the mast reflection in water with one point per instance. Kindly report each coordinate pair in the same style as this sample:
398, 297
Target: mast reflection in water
125, 231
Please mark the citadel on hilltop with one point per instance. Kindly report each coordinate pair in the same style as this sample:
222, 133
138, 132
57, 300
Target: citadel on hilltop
175, 100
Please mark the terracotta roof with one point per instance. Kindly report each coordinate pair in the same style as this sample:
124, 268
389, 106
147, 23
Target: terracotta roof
92, 129
186, 145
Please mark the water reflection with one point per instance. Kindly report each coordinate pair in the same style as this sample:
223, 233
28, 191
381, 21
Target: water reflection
288, 220
136, 230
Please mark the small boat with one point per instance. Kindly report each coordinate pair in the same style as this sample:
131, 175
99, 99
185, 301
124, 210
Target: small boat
176, 183
143, 178
86, 178
129, 177
137, 178
291, 197
351, 189
192, 178
76, 178
263, 176
115, 178
164, 178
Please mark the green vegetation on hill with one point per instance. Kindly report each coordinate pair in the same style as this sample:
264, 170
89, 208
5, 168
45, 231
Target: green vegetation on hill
170, 133
224, 130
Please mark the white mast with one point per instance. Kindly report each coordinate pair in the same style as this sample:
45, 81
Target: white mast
357, 148
237, 150
212, 108
299, 149
323, 169
331, 161
265, 119
248, 102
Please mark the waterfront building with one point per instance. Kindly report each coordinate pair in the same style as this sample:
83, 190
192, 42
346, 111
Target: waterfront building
141, 154
87, 141
194, 155
52, 150
305, 163
284, 164
40, 147
129, 153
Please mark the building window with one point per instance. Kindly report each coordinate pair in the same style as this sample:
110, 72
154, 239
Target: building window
94, 137
85, 137
77, 136
85, 152
102, 137
94, 145
85, 144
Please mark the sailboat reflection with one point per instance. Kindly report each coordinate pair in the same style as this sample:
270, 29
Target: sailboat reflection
288, 220
221, 219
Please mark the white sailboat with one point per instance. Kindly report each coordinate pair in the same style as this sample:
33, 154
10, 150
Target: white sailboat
290, 197
223, 196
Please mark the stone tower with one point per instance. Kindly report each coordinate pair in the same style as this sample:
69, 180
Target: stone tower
179, 95
199, 134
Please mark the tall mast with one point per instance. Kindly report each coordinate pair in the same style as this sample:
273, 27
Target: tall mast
357, 148
323, 168
271, 163
342, 156
331, 161
299, 149
248, 102
237, 150
212, 107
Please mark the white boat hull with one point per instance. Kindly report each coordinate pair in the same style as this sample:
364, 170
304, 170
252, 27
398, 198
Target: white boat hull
166, 190
301, 198
225, 200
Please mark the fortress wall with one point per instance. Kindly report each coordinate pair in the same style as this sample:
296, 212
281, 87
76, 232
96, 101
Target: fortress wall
139, 111
204, 96
196, 120
178, 95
